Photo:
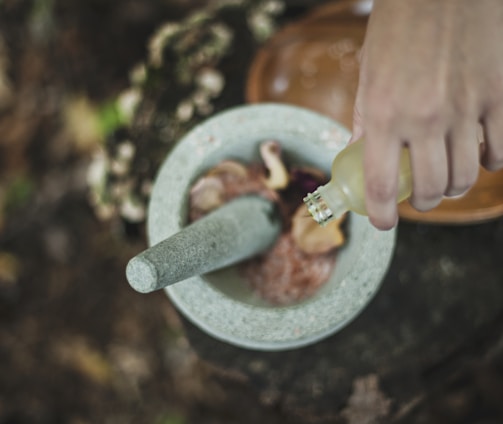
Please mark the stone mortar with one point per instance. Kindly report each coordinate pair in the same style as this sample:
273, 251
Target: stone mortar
221, 303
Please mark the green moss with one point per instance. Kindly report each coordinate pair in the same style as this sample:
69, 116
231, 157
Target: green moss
110, 118
18, 193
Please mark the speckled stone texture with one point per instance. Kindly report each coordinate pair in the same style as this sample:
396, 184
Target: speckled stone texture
239, 229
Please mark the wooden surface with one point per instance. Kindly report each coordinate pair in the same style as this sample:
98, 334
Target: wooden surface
314, 62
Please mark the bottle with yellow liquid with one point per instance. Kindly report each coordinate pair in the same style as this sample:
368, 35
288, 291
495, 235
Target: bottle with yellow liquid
346, 189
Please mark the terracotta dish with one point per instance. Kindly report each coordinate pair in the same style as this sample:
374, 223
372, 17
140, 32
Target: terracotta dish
314, 63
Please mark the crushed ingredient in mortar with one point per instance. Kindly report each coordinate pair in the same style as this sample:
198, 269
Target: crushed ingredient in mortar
303, 257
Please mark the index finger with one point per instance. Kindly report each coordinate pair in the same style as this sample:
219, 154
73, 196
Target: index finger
381, 170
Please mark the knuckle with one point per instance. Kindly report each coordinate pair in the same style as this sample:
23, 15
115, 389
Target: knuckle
430, 114
429, 107
379, 191
379, 116
379, 107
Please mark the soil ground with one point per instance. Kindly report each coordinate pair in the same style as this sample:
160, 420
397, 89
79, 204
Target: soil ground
77, 344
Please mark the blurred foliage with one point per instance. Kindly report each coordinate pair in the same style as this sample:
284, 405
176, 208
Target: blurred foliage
194, 68
169, 418
17, 193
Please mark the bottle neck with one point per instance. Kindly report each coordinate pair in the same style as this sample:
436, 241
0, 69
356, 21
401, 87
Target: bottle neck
326, 203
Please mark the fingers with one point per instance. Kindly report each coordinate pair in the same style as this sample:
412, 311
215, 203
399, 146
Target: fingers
381, 162
492, 158
441, 166
357, 132
430, 174
463, 153
427, 82
357, 124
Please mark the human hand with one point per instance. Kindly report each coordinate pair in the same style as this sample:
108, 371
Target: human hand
431, 72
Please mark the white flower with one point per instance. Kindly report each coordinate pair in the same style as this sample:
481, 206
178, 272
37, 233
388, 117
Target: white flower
211, 81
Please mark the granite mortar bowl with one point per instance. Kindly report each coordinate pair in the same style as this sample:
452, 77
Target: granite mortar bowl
221, 303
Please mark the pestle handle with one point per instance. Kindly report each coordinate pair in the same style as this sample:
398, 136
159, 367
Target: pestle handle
237, 230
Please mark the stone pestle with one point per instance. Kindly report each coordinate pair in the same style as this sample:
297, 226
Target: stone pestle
235, 231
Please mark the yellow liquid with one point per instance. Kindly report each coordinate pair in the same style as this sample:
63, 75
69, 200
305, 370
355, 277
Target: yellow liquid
346, 189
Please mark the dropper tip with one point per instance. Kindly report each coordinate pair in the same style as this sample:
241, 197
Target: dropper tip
317, 208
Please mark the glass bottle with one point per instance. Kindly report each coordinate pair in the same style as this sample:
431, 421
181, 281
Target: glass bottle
346, 189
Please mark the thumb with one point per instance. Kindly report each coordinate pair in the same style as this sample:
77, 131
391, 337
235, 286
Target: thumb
357, 132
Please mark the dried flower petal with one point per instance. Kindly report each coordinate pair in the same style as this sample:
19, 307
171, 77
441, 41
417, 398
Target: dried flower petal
185, 110
285, 274
207, 194
132, 209
230, 167
307, 179
126, 151
311, 237
128, 102
270, 152
159, 40
303, 257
